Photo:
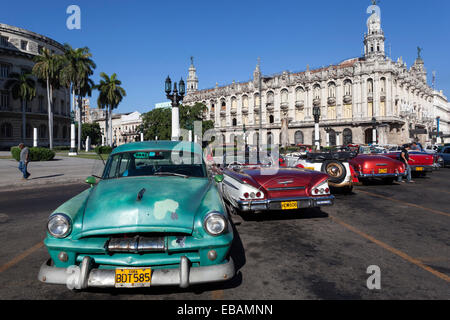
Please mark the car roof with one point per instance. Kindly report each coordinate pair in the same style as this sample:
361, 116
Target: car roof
159, 145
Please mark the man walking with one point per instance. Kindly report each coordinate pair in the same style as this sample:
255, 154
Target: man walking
24, 160
404, 157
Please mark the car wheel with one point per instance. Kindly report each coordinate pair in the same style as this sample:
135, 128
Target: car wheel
335, 170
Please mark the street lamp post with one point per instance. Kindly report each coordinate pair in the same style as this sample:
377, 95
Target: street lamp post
175, 98
316, 114
374, 130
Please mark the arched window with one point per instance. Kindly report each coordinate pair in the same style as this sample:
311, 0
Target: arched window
256, 100
271, 119
299, 94
55, 131
269, 138
284, 96
233, 103
383, 85
316, 91
42, 131
370, 86
332, 135
234, 122
331, 90
270, 97
348, 137
298, 137
245, 101
347, 88
6, 130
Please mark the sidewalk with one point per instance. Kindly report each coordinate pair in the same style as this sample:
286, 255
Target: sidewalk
62, 170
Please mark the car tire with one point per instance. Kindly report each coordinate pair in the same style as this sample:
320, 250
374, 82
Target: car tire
335, 170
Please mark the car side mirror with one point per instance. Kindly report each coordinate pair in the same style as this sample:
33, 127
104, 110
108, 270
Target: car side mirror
218, 178
91, 181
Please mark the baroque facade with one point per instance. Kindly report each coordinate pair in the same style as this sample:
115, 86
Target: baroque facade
18, 47
362, 100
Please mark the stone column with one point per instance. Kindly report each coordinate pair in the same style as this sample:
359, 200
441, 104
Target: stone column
35, 137
175, 124
73, 150
374, 135
142, 136
88, 144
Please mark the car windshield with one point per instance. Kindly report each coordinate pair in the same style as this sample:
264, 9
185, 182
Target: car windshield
155, 163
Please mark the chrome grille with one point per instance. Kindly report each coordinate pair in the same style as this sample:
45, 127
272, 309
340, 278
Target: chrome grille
137, 244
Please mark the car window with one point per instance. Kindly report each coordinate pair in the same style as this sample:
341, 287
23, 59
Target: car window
447, 150
150, 163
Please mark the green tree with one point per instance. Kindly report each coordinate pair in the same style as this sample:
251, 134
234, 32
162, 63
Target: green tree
47, 68
91, 130
110, 96
158, 122
22, 87
75, 72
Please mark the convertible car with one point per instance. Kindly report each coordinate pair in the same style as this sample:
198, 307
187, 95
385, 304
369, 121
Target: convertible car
420, 162
370, 165
335, 164
264, 187
154, 218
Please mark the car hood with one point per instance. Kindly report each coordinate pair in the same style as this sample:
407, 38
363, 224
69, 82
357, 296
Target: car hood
168, 204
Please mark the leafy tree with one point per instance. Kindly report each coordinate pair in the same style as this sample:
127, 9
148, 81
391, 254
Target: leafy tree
111, 94
48, 68
23, 88
74, 74
158, 122
91, 130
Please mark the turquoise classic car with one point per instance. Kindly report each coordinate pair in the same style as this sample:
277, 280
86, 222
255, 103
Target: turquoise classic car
154, 218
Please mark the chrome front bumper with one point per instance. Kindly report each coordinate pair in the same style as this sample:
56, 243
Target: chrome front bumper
275, 204
380, 175
83, 276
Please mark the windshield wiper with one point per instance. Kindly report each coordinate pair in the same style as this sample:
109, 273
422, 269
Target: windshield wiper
170, 174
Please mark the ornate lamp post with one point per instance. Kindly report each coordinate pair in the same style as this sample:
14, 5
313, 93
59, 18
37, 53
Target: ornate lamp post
374, 130
316, 114
175, 98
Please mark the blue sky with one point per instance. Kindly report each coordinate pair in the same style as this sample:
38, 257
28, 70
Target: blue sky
144, 41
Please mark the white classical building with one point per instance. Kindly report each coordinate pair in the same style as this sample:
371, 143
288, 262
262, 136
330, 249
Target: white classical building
18, 47
125, 128
362, 100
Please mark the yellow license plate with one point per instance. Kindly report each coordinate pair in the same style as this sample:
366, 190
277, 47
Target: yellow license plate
419, 169
383, 171
133, 277
290, 205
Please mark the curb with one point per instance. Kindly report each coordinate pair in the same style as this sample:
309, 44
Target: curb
38, 185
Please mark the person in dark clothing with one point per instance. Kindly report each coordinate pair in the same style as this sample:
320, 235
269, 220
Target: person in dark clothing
404, 157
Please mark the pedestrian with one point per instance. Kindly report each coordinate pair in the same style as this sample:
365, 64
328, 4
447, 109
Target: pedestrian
404, 157
24, 160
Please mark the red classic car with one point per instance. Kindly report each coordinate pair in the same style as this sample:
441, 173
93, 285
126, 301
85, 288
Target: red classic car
264, 188
370, 166
420, 162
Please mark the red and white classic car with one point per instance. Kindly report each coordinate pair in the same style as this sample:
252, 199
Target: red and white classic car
252, 188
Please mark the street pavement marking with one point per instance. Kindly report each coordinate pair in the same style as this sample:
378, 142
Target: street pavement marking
406, 203
397, 252
21, 256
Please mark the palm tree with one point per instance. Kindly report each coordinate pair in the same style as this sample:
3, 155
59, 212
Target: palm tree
78, 66
22, 87
111, 94
48, 67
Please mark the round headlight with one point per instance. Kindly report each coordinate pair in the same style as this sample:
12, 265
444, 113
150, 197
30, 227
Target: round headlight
59, 225
215, 223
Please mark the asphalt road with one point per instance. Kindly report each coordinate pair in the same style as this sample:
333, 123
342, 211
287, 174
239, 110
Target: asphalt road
403, 229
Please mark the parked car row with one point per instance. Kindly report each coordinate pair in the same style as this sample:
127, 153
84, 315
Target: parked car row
159, 215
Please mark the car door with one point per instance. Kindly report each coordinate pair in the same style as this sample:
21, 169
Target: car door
446, 155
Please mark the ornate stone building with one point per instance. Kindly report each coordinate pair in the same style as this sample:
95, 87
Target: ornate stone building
362, 100
18, 47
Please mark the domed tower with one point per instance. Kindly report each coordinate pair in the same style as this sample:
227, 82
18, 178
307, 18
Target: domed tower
374, 38
192, 80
